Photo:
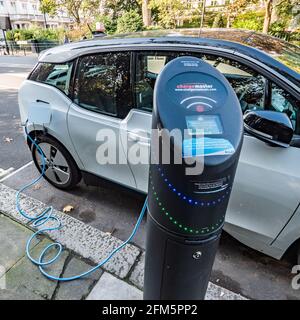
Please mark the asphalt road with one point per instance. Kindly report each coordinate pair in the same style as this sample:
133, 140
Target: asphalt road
110, 209
13, 70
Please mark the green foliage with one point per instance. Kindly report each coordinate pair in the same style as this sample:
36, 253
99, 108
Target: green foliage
110, 24
167, 11
35, 34
251, 20
278, 29
130, 21
219, 21
193, 20
284, 8
118, 7
48, 6
80, 10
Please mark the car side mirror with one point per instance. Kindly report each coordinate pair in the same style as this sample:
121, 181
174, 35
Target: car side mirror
269, 126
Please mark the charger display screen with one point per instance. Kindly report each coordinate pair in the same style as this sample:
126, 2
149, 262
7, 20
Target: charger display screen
208, 124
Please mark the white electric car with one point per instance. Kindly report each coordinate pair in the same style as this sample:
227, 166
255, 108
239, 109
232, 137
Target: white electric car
108, 84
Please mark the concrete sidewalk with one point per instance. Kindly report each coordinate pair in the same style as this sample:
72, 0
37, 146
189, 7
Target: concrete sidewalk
85, 246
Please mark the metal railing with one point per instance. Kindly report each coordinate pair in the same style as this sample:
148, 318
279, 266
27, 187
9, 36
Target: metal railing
31, 47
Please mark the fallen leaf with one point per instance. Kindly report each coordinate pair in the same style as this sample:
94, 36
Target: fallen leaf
68, 209
7, 139
37, 187
109, 233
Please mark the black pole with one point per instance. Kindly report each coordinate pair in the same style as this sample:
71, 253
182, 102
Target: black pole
187, 203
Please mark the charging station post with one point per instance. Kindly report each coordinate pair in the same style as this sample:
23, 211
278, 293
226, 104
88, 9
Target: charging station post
187, 211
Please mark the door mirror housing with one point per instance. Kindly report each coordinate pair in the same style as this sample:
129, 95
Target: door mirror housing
269, 126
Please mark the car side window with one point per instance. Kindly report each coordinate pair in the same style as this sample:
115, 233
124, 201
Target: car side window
248, 84
103, 83
148, 68
282, 101
57, 75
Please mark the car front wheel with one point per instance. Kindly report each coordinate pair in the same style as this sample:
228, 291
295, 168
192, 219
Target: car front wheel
60, 168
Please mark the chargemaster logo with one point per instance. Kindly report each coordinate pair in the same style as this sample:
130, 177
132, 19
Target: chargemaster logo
190, 87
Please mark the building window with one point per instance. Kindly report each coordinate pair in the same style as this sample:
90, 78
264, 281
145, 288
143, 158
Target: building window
34, 7
24, 6
1, 4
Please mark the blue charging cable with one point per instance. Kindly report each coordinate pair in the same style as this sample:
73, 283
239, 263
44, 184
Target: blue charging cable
47, 215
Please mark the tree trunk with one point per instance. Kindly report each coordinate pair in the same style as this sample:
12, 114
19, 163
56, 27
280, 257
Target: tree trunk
274, 15
146, 13
268, 15
228, 23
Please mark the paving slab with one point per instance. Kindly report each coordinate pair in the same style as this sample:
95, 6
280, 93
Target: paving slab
20, 293
77, 236
26, 276
112, 288
13, 238
77, 289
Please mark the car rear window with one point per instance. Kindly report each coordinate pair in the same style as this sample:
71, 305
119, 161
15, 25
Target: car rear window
57, 75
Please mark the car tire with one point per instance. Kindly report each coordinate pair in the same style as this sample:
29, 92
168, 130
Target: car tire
61, 169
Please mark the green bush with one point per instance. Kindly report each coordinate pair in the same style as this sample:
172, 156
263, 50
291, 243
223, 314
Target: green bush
35, 33
278, 29
130, 21
251, 20
219, 21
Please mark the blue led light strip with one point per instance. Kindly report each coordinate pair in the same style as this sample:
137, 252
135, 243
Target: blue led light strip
182, 196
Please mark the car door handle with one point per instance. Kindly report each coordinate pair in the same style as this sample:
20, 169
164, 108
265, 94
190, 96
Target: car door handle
135, 137
41, 101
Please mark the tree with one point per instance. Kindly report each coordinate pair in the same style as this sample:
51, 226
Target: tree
146, 13
268, 15
218, 21
169, 12
236, 7
48, 7
80, 10
287, 13
130, 21
117, 7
